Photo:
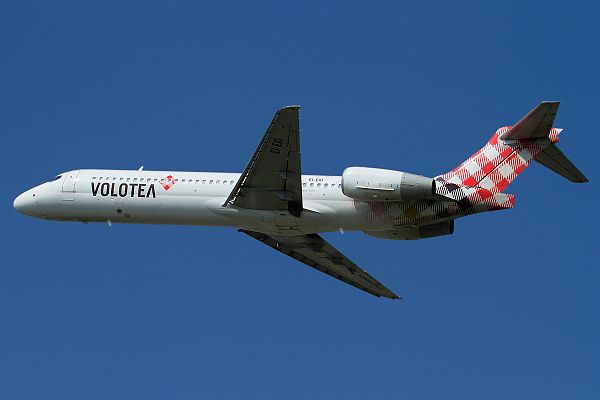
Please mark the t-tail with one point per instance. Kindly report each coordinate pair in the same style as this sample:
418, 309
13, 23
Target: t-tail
479, 182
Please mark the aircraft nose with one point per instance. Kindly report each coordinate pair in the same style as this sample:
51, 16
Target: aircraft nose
25, 202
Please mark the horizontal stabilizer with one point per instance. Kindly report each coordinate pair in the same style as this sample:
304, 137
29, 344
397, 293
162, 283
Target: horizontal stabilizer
554, 159
535, 125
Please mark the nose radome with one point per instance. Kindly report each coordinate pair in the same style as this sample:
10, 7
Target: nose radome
25, 202
19, 202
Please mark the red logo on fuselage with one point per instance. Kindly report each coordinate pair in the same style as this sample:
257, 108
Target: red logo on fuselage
168, 182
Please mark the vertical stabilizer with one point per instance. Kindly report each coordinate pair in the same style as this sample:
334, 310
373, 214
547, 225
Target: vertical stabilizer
477, 183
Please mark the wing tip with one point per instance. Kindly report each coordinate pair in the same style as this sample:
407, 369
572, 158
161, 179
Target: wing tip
290, 107
390, 295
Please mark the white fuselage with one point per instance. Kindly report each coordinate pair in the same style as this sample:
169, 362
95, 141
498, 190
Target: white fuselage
197, 198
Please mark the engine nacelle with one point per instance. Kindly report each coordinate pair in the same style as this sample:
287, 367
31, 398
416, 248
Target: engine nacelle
415, 232
374, 184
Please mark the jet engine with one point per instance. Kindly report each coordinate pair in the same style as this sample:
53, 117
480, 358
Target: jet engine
415, 232
374, 184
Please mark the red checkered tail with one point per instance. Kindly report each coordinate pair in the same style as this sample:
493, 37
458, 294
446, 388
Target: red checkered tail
489, 171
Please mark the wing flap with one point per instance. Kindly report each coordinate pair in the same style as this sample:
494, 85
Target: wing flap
315, 252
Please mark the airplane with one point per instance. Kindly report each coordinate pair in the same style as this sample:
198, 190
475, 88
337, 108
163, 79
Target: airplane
272, 202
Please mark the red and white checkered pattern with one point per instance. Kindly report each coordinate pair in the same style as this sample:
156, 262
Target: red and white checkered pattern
474, 186
480, 180
168, 182
553, 136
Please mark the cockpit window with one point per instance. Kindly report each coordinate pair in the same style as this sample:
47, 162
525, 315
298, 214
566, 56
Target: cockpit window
57, 177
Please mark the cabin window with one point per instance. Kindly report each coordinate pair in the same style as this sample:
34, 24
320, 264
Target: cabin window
94, 178
100, 178
231, 182
135, 179
176, 180
312, 184
218, 181
121, 178
304, 184
204, 181
318, 184
128, 179
210, 182
197, 181
325, 185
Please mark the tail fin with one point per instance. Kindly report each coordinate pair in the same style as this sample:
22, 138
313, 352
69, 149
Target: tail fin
510, 150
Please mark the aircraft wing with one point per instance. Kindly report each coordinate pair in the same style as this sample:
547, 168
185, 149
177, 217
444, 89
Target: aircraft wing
315, 252
272, 178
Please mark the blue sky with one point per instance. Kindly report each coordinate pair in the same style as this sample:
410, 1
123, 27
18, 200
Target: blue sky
506, 307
